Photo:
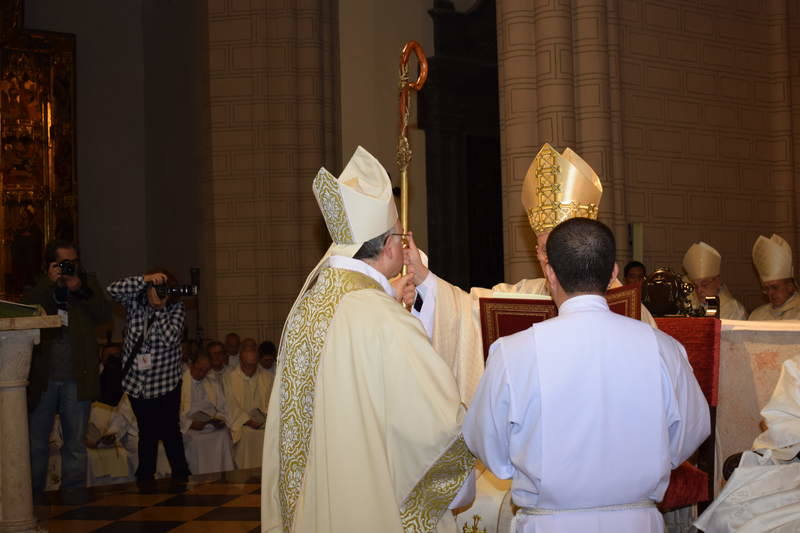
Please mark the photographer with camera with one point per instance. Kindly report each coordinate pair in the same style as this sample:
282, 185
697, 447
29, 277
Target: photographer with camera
64, 378
151, 366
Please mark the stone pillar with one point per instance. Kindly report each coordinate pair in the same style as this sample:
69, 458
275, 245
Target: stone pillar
16, 505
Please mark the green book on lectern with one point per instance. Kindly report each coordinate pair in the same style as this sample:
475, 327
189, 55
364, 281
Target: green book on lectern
17, 310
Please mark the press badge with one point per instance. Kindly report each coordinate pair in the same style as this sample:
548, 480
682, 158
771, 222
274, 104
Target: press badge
64, 316
144, 361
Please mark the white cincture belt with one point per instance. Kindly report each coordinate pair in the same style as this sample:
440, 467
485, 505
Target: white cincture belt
538, 511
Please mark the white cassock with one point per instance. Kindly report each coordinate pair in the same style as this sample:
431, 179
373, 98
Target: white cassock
452, 320
790, 310
587, 410
209, 449
233, 362
243, 395
763, 494
363, 431
218, 377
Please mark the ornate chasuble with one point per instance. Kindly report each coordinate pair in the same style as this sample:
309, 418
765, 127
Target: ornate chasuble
309, 341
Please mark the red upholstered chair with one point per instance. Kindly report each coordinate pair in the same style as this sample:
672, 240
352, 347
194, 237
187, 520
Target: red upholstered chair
694, 483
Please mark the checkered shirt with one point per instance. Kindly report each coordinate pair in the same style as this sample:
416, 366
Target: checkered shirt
163, 340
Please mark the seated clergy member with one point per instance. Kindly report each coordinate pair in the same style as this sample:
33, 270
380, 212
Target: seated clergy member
588, 412
364, 427
232, 344
247, 390
219, 362
204, 420
773, 260
635, 272
702, 265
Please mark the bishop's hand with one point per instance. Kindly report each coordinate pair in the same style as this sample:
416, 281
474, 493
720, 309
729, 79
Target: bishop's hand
405, 291
413, 259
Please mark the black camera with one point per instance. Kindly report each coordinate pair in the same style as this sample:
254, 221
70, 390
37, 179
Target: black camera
163, 290
68, 268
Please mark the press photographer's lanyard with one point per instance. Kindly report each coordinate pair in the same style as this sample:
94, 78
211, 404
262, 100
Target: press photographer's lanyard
147, 326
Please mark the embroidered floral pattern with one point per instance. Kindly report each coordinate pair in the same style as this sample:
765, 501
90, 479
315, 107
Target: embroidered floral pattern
329, 198
302, 346
422, 509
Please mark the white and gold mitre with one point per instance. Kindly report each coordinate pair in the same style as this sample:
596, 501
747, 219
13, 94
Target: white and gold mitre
358, 206
558, 187
773, 258
701, 261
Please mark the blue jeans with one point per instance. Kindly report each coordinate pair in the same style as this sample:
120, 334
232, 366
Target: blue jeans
61, 397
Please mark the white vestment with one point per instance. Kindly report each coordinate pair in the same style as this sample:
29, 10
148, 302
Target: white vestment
363, 431
209, 449
589, 409
108, 463
790, 310
729, 307
763, 494
245, 394
456, 328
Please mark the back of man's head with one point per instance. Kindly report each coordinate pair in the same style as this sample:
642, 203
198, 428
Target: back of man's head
581, 252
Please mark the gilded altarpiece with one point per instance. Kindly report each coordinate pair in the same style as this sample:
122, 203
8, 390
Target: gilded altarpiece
38, 187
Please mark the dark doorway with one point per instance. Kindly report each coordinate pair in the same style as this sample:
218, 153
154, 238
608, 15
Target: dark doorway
459, 112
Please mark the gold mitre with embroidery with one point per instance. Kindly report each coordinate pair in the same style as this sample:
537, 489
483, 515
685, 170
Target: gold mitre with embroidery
358, 205
701, 261
773, 258
558, 187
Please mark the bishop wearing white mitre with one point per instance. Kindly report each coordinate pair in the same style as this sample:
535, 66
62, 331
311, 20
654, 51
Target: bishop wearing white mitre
773, 260
364, 426
702, 265
557, 187
204, 420
247, 390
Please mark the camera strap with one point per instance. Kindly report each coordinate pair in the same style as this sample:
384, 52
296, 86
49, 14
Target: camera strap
137, 347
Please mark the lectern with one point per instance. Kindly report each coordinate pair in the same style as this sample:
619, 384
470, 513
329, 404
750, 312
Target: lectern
17, 337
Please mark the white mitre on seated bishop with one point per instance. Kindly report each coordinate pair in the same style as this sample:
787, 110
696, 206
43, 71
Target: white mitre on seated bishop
773, 258
701, 261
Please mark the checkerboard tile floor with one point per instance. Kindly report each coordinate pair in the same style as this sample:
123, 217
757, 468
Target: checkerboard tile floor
222, 503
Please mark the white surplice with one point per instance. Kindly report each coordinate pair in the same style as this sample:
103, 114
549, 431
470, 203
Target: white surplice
790, 310
244, 394
589, 409
763, 494
209, 449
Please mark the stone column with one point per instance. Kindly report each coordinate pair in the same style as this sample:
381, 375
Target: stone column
16, 505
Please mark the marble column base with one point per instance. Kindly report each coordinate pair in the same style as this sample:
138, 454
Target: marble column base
16, 505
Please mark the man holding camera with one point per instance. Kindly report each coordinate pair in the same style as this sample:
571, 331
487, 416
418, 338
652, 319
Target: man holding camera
151, 367
64, 378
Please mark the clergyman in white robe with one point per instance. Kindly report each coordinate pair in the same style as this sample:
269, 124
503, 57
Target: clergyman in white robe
247, 397
587, 414
208, 449
763, 494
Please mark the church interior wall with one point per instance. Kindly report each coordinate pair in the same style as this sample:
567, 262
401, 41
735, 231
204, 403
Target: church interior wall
370, 54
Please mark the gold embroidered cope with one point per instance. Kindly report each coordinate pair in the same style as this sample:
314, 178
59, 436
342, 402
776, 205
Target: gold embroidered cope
305, 339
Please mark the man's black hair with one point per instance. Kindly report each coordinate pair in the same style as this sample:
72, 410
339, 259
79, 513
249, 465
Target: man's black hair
267, 348
633, 264
581, 251
53, 246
